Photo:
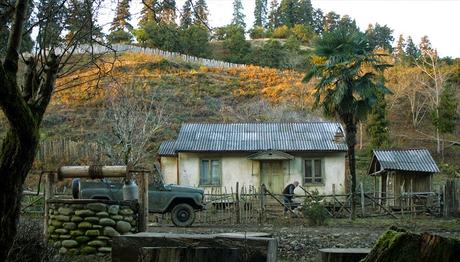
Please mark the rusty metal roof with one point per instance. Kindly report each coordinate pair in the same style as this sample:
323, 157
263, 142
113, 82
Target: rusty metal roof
254, 137
418, 160
167, 148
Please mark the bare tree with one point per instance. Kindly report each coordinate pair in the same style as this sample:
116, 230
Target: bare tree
26, 93
135, 117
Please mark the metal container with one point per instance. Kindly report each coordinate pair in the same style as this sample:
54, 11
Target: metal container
130, 190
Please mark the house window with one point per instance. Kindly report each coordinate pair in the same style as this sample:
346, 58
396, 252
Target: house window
313, 171
210, 172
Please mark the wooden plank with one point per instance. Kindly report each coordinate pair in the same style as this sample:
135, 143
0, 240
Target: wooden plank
382, 206
182, 254
84, 171
127, 247
49, 193
143, 201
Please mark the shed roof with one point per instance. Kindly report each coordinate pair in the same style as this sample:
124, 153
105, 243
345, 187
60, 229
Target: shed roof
167, 148
418, 160
254, 137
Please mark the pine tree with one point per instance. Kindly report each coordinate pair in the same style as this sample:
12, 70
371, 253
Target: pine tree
122, 15
260, 13
274, 16
238, 14
81, 22
399, 51
380, 37
412, 50
150, 11
447, 110
378, 125
318, 21
331, 21
288, 12
51, 23
168, 12
186, 16
201, 13
305, 13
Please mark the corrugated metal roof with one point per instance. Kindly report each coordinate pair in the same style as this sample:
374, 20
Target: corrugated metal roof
253, 137
407, 160
167, 148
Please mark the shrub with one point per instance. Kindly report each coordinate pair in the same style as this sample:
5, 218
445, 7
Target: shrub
281, 32
314, 210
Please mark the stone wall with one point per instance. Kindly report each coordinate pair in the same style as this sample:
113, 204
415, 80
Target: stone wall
87, 226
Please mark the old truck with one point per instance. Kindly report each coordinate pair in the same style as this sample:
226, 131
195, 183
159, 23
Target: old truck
181, 201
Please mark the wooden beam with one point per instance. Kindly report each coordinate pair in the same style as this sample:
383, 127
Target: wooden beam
92, 171
49, 193
143, 201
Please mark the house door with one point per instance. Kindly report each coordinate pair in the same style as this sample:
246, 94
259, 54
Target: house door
272, 175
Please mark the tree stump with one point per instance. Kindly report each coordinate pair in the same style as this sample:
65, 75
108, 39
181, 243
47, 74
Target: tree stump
399, 245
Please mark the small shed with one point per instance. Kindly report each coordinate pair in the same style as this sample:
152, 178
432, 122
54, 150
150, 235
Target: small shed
399, 171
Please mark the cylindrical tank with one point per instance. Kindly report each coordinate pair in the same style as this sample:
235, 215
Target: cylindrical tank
130, 190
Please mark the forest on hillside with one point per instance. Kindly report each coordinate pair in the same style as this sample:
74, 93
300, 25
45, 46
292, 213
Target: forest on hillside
422, 109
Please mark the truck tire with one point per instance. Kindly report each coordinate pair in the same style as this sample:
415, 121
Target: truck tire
183, 215
76, 188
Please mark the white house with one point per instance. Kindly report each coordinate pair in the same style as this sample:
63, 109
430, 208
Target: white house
274, 154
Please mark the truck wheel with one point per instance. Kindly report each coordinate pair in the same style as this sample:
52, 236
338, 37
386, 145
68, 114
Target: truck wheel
76, 188
183, 215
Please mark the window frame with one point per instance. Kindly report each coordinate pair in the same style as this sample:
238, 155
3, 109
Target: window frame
313, 172
200, 170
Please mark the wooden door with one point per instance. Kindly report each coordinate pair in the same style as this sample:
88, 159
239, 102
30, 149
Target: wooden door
272, 175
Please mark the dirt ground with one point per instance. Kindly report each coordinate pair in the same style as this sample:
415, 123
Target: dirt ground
300, 242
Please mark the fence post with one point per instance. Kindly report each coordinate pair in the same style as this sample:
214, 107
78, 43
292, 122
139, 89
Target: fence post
237, 203
49, 193
362, 198
262, 207
333, 200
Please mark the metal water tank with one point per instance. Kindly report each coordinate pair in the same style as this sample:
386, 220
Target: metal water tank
130, 190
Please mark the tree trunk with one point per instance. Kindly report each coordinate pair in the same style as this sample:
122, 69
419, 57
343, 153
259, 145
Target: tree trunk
16, 158
350, 129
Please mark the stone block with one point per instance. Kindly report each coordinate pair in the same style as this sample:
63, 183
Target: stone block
66, 211
92, 220
76, 219
92, 232
86, 250
110, 232
84, 213
127, 211
113, 209
97, 243
105, 249
61, 231
96, 207
76, 233
107, 222
69, 225
62, 218
123, 227
82, 239
85, 225
69, 243
102, 214
65, 236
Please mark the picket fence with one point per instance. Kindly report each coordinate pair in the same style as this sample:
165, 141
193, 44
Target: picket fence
121, 48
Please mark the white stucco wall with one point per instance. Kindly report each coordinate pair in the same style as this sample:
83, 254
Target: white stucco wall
333, 168
237, 168
169, 169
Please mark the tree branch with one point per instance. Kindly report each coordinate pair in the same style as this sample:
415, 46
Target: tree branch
14, 40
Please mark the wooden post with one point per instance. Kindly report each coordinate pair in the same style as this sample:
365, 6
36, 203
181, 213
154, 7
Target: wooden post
143, 202
411, 198
49, 193
362, 198
333, 200
262, 207
237, 196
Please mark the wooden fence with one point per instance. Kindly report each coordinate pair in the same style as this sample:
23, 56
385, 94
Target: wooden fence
243, 205
451, 197
120, 48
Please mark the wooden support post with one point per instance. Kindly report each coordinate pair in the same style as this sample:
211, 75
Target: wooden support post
49, 193
411, 198
333, 200
237, 197
143, 201
362, 199
262, 205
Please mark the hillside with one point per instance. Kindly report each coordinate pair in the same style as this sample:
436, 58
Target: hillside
76, 129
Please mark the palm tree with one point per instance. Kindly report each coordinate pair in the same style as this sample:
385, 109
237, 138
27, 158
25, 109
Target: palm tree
349, 81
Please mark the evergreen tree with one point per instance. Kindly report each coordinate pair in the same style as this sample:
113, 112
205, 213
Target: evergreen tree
6, 19
238, 14
288, 12
122, 15
236, 44
412, 50
318, 21
380, 37
447, 110
195, 41
305, 13
201, 13
348, 24
260, 13
81, 12
331, 21
186, 16
271, 54
168, 12
150, 11
274, 15
51, 23
399, 51
378, 125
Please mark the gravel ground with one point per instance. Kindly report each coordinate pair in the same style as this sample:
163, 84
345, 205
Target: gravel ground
301, 243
